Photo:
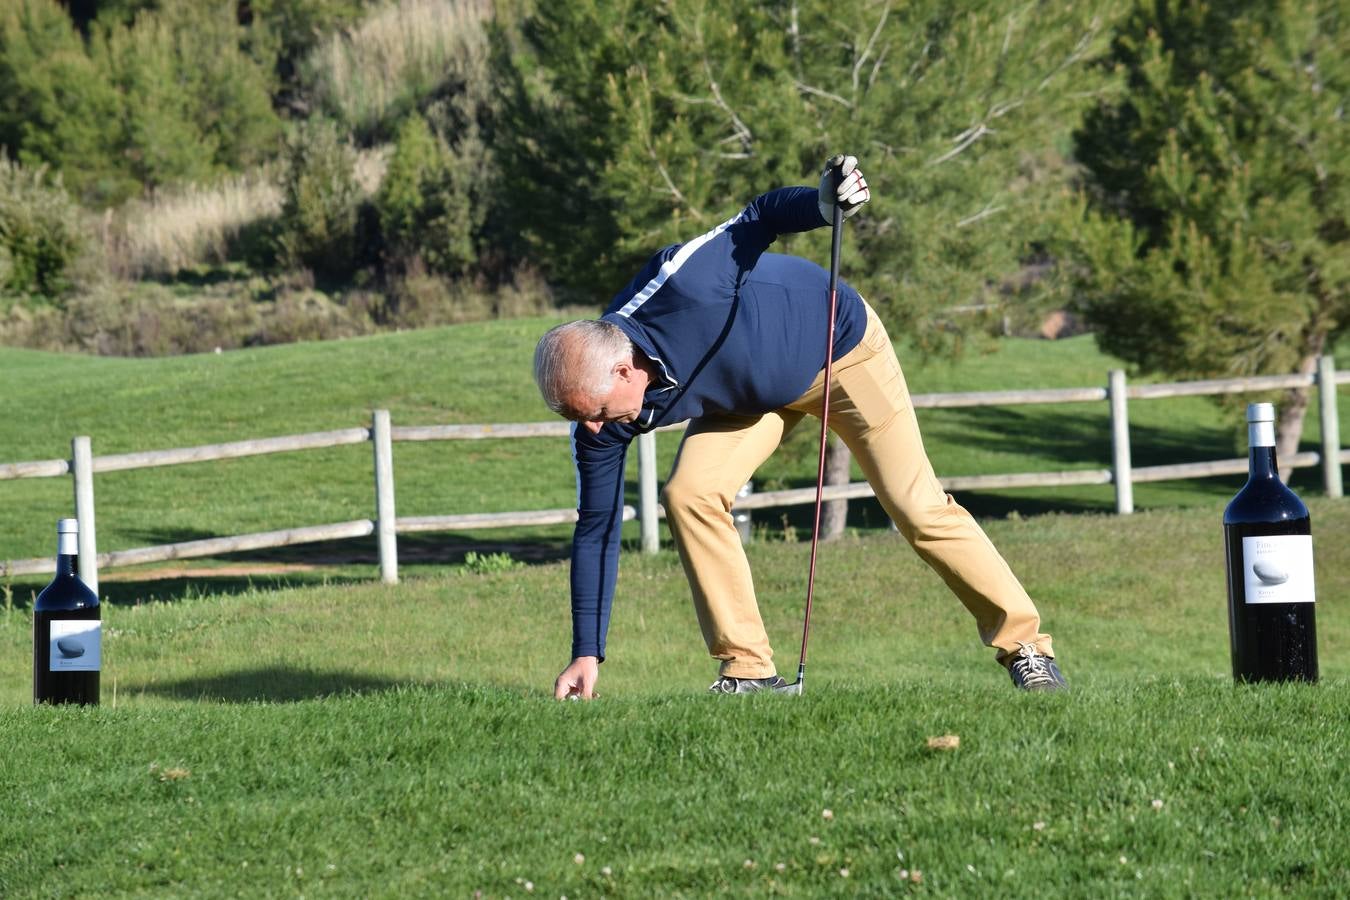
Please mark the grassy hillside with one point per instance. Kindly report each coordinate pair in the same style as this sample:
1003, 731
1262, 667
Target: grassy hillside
375, 741
480, 373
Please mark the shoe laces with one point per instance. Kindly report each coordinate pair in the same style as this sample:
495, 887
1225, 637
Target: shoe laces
723, 685
1033, 667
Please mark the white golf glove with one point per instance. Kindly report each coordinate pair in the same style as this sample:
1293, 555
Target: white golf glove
852, 192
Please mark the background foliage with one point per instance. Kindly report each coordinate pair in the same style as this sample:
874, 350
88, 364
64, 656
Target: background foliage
652, 123
41, 232
1173, 171
1214, 239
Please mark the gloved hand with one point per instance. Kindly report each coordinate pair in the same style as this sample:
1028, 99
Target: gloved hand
852, 192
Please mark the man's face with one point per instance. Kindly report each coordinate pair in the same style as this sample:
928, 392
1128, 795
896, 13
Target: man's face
623, 403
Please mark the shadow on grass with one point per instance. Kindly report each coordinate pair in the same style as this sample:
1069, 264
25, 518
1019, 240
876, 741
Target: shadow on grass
1083, 438
275, 684
413, 549
1079, 439
299, 565
133, 591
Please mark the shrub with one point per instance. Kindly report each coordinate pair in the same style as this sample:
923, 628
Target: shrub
307, 315
41, 240
424, 206
118, 318
321, 202
419, 299
288, 30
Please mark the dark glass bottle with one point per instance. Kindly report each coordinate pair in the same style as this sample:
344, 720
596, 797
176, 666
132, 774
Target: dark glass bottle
1267, 536
67, 630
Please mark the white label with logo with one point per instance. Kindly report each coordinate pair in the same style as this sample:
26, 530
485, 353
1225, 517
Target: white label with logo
75, 645
1278, 568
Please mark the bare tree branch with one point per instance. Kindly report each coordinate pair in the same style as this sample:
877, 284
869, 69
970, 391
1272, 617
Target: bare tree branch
807, 89
964, 140
985, 213
670, 183
871, 42
747, 139
1076, 53
876, 67
923, 54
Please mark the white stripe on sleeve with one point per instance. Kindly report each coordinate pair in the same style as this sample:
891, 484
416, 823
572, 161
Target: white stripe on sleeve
672, 265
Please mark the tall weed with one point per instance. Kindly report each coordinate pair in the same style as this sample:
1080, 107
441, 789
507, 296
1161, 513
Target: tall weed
195, 225
372, 73
180, 228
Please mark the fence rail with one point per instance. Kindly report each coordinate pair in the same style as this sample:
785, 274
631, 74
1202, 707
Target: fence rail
387, 525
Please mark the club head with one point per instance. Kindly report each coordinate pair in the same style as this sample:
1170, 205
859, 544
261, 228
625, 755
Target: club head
794, 689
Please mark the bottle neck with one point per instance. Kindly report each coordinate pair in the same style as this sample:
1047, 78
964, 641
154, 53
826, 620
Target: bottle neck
1261, 464
67, 553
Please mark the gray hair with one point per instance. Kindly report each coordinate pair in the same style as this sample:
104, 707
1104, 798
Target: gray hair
578, 358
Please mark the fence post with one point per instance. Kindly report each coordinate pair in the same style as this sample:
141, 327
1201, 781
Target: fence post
82, 467
651, 537
384, 496
1120, 443
1331, 426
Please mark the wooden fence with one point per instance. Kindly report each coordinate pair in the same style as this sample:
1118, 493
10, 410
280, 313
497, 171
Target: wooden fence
83, 466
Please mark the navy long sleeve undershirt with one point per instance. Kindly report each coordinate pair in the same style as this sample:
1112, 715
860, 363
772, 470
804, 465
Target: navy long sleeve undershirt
732, 329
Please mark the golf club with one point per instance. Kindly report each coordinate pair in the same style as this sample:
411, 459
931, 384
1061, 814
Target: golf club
837, 230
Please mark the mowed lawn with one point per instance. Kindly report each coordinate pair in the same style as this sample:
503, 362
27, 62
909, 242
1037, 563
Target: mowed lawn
399, 741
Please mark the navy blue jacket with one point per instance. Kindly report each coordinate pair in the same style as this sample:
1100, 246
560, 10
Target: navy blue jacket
732, 329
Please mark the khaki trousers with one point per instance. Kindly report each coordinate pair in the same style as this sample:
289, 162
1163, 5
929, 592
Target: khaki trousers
871, 411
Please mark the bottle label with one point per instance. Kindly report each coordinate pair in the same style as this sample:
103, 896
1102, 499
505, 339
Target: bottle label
75, 645
1278, 568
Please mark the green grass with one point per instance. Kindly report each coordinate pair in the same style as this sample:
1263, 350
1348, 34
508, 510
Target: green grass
480, 373
367, 740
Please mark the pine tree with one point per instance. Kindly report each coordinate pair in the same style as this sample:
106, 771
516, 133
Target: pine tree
56, 107
424, 203
1214, 232
170, 96
629, 125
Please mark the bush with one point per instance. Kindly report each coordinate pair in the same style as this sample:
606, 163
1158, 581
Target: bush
320, 209
119, 318
419, 299
424, 205
41, 240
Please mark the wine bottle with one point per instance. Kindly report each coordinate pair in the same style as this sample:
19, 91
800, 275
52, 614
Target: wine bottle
67, 630
1267, 536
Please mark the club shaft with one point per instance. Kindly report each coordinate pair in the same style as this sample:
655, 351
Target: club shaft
835, 238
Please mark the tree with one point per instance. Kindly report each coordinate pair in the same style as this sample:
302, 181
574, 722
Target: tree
1211, 238
424, 202
56, 106
629, 125
321, 203
194, 103
170, 96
